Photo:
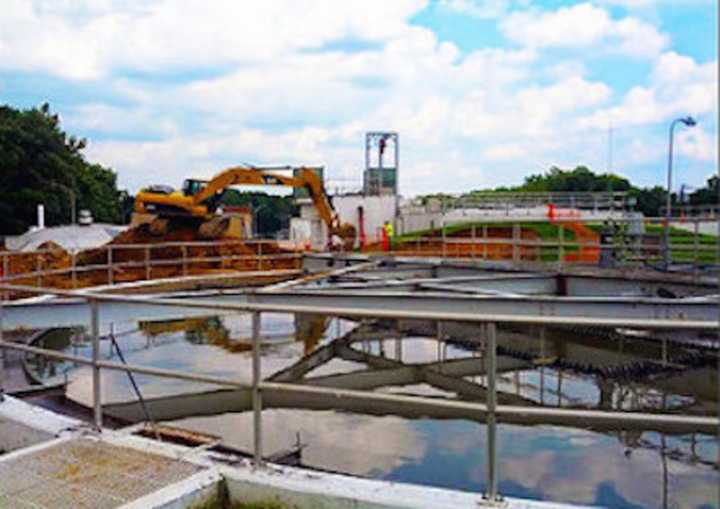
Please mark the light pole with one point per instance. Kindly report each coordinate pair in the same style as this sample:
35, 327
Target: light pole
689, 122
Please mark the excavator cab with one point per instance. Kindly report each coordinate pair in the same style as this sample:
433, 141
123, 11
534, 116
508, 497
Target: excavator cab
191, 187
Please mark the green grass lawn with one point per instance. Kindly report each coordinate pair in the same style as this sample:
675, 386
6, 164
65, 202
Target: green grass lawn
682, 241
546, 231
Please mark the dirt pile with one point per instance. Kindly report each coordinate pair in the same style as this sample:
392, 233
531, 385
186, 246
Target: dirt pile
132, 249
137, 246
50, 256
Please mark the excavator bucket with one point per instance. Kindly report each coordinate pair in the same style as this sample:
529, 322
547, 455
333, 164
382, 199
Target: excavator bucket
214, 228
347, 233
222, 227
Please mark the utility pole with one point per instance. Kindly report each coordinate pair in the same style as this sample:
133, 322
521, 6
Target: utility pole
689, 122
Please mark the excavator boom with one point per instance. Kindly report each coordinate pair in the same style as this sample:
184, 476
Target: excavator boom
199, 199
303, 178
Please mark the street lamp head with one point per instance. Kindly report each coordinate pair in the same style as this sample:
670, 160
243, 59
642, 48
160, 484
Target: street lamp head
689, 121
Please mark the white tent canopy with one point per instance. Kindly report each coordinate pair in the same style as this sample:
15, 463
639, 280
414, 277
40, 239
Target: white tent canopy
71, 238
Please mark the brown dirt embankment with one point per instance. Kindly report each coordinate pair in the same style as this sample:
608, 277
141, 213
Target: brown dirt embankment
131, 249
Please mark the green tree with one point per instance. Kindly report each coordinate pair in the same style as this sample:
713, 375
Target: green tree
581, 179
706, 195
650, 200
271, 212
41, 164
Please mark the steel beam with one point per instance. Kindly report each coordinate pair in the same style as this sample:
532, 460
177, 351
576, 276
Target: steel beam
293, 396
308, 363
493, 305
690, 314
494, 283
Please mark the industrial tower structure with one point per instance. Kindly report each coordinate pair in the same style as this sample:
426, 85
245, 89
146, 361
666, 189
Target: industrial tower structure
381, 177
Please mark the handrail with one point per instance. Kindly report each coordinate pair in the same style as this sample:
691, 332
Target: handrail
148, 263
489, 411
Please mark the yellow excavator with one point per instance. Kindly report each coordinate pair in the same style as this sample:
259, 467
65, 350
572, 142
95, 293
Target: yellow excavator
199, 200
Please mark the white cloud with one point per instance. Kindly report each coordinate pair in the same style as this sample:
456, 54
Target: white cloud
483, 9
697, 144
579, 25
636, 38
629, 3
62, 39
637, 4
504, 152
583, 25
678, 86
531, 115
113, 119
267, 88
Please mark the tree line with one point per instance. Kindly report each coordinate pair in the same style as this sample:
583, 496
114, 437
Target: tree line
649, 200
41, 164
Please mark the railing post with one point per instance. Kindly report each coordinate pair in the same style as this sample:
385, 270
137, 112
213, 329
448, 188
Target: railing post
147, 263
485, 240
110, 264
184, 260
38, 269
491, 493
256, 395
6, 265
95, 333
473, 241
559, 388
696, 247
542, 366
515, 241
2, 349
444, 246
73, 272
259, 256
561, 245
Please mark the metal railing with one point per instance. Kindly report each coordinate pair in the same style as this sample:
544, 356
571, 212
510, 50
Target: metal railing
632, 241
144, 257
490, 411
509, 200
702, 212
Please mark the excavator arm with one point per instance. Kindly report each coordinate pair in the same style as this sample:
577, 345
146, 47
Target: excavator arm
304, 178
199, 199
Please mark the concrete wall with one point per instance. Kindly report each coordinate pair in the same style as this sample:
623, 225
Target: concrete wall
413, 221
377, 210
413, 218
303, 489
308, 230
704, 227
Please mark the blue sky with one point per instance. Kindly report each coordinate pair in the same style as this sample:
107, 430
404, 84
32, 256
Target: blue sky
482, 92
